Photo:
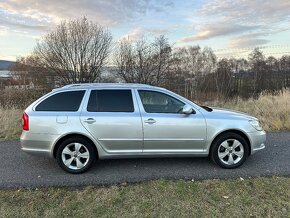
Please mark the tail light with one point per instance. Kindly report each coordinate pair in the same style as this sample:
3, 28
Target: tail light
25, 122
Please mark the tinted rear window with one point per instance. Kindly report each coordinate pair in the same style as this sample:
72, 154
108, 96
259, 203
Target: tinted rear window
64, 101
110, 101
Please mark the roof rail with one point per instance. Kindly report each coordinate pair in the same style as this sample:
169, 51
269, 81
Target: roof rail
76, 85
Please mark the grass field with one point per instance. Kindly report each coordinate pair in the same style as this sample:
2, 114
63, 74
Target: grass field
10, 124
272, 110
260, 197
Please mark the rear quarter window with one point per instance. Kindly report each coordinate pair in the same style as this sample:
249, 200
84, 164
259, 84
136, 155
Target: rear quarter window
63, 101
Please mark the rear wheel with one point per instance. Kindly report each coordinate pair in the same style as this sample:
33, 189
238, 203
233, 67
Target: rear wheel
75, 155
229, 150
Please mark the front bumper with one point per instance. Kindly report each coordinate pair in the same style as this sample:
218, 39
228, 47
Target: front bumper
257, 139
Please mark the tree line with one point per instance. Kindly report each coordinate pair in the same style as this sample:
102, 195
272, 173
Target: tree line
79, 51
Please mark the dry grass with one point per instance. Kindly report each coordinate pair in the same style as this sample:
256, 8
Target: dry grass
272, 110
259, 197
10, 123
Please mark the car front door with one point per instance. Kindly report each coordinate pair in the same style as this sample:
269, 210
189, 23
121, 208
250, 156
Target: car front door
113, 119
166, 128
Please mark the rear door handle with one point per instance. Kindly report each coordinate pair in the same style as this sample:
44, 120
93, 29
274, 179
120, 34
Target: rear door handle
150, 121
90, 120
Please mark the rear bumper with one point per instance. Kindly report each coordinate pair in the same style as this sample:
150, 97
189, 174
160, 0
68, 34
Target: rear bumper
258, 140
37, 144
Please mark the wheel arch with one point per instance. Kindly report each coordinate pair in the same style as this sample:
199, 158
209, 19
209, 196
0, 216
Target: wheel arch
239, 132
61, 139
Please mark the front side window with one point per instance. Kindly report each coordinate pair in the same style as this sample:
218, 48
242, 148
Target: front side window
63, 101
157, 102
110, 101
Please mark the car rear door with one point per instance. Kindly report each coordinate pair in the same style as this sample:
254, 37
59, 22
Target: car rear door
112, 117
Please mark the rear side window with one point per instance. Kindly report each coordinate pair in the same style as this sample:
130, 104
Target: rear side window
64, 101
110, 101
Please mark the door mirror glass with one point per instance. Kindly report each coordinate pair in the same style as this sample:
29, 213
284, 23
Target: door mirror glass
187, 109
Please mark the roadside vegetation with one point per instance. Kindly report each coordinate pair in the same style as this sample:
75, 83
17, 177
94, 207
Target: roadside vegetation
272, 110
10, 123
259, 197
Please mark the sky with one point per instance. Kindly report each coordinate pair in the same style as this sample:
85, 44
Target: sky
230, 28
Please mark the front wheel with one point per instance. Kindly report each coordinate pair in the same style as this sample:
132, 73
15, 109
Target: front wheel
229, 150
75, 155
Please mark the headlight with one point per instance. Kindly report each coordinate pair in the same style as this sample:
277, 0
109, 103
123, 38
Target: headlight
256, 124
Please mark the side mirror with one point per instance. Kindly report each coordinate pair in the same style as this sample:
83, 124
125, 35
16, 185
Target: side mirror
187, 109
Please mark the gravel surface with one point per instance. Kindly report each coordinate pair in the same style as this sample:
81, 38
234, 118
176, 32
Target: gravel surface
19, 169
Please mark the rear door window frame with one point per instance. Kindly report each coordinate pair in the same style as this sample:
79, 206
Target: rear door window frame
134, 99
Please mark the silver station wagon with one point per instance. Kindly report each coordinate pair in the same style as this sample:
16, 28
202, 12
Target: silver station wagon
80, 123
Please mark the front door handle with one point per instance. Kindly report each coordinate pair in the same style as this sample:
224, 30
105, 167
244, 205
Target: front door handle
90, 120
150, 121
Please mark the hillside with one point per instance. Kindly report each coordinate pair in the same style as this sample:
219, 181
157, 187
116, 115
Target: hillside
4, 65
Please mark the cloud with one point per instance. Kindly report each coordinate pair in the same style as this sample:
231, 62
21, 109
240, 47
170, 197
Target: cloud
18, 26
134, 35
108, 13
247, 42
242, 45
160, 31
139, 32
3, 30
21, 23
218, 29
241, 23
231, 21
248, 11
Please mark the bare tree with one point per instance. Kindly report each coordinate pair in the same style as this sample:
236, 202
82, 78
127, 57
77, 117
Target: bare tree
143, 61
76, 51
224, 78
284, 67
258, 67
162, 57
195, 64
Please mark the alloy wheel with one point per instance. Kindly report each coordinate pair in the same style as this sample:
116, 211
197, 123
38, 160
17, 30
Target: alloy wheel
75, 156
231, 151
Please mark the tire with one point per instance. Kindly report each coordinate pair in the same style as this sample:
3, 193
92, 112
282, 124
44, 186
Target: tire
75, 155
229, 151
